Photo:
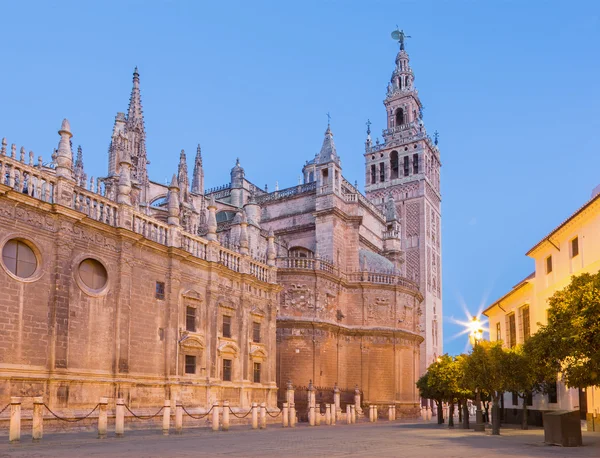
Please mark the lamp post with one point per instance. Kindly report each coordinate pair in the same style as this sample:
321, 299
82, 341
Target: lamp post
475, 336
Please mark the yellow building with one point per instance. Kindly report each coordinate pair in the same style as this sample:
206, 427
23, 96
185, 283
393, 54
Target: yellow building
571, 249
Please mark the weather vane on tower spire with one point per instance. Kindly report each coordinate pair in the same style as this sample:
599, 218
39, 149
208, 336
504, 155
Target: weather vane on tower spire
399, 36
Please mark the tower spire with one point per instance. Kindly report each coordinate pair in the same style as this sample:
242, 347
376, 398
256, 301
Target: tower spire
198, 178
134, 112
136, 134
78, 167
328, 152
182, 177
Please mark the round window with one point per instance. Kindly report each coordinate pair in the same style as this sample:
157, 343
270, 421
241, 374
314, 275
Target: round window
19, 258
93, 274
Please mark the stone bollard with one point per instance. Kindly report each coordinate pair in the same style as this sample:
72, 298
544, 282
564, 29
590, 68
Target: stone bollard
348, 414
120, 417
215, 416
166, 417
317, 413
353, 413
328, 414
292, 415
311, 404
289, 395
38, 418
225, 425
178, 417
254, 415
393, 411
14, 434
263, 416
389, 413
375, 414
102, 417
357, 407
336, 408
285, 420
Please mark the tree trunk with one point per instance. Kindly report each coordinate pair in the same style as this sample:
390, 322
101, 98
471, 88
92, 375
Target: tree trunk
440, 412
451, 415
459, 411
465, 415
495, 416
524, 419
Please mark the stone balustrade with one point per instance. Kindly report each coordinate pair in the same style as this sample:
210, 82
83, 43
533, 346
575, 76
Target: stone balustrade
151, 228
315, 264
41, 182
195, 245
26, 178
95, 206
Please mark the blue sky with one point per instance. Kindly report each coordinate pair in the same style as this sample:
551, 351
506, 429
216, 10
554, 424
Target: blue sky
511, 86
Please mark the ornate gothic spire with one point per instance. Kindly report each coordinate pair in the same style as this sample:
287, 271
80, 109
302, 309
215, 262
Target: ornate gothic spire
78, 168
198, 178
182, 177
136, 132
135, 115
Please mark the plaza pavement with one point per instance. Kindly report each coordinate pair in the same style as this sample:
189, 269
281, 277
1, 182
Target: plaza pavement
361, 440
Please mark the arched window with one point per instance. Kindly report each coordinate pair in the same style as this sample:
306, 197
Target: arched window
394, 164
399, 117
300, 252
225, 216
373, 174
311, 177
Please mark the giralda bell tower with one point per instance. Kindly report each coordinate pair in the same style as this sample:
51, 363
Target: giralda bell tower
406, 166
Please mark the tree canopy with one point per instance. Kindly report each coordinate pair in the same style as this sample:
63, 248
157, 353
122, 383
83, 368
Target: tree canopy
570, 342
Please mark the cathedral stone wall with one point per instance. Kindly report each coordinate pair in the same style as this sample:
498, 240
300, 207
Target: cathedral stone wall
71, 344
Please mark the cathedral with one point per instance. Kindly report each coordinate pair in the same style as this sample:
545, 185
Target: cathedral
121, 286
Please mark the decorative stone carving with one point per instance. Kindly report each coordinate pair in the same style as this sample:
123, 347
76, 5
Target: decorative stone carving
298, 297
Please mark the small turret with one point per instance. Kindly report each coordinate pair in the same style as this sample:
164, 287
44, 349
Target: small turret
124, 187
212, 219
271, 251
244, 241
64, 155
252, 210
237, 185
173, 202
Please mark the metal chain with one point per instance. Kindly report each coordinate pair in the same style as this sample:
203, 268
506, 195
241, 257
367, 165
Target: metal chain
70, 420
197, 417
274, 416
240, 416
5, 407
144, 417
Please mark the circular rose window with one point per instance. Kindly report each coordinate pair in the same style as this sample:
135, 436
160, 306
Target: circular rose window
93, 274
19, 258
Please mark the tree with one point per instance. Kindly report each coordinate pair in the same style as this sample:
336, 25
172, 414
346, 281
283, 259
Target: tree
486, 369
463, 393
441, 383
429, 391
570, 342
